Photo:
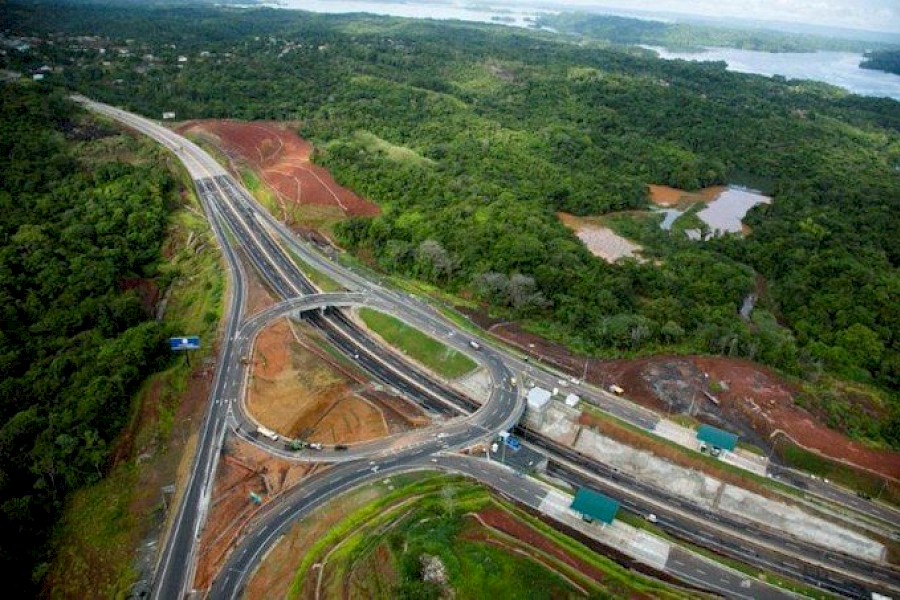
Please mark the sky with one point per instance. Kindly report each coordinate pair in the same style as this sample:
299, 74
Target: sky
872, 15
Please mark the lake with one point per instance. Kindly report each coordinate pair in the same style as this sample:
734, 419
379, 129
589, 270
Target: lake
837, 68
726, 213
463, 11
723, 213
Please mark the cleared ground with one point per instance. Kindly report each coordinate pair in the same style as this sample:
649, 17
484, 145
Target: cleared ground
246, 479
282, 160
601, 241
754, 401
303, 392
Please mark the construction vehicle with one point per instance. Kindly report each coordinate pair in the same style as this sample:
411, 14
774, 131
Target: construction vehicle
297, 445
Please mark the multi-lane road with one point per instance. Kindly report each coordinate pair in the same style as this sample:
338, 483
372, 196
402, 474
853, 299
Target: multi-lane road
262, 240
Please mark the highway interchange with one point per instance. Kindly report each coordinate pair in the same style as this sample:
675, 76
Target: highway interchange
238, 222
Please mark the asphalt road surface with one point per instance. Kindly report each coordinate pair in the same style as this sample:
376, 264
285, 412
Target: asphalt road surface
229, 206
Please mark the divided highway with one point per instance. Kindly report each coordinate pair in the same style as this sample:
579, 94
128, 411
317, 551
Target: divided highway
261, 239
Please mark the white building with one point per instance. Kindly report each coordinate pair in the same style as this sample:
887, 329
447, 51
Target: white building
572, 399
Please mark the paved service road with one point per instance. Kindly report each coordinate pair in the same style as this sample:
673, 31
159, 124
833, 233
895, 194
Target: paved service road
263, 239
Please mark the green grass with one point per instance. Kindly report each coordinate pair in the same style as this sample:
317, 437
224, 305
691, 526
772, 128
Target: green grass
400, 154
318, 279
260, 191
415, 344
618, 578
870, 484
99, 533
379, 548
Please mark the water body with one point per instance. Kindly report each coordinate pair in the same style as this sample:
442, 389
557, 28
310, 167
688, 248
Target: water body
463, 11
837, 68
671, 215
724, 214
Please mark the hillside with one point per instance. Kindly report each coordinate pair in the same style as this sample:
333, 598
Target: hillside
82, 215
470, 138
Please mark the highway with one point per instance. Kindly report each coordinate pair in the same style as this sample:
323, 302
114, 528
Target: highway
258, 234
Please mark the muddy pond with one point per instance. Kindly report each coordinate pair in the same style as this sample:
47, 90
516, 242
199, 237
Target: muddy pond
724, 212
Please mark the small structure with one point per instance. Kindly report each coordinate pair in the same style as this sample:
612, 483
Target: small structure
168, 115
572, 399
592, 505
538, 400
715, 439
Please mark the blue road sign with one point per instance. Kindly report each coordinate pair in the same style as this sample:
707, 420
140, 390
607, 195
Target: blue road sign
178, 344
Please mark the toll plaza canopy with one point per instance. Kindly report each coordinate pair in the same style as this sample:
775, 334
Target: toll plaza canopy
717, 438
594, 505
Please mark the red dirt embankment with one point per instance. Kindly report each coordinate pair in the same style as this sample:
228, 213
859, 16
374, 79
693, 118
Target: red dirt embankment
755, 397
282, 160
756, 402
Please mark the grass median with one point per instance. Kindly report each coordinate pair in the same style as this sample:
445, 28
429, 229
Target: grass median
424, 349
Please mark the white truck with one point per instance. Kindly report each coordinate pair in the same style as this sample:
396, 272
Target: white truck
267, 433
474, 344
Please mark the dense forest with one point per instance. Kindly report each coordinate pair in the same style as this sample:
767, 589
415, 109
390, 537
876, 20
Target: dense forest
882, 60
500, 128
690, 37
77, 226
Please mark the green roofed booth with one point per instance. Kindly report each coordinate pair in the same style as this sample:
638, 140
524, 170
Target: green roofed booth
595, 506
715, 438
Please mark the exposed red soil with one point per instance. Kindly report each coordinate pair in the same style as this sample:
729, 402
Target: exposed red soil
242, 470
758, 403
502, 521
663, 195
282, 159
